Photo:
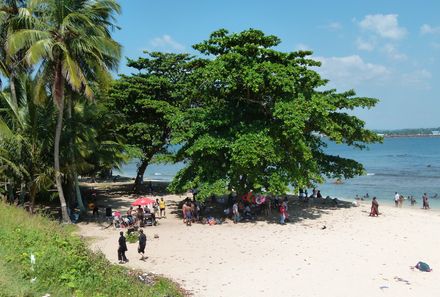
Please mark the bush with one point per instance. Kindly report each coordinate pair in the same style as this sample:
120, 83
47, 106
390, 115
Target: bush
64, 265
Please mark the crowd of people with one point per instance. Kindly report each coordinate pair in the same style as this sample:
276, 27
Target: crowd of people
398, 202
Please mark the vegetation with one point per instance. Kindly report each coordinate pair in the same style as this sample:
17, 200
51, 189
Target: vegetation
64, 266
147, 101
255, 117
413, 131
59, 51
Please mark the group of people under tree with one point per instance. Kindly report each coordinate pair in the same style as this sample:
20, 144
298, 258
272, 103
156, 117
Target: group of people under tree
190, 211
138, 216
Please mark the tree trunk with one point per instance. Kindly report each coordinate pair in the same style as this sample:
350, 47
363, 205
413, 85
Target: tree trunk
140, 175
22, 193
59, 101
33, 194
78, 194
76, 189
10, 190
13, 88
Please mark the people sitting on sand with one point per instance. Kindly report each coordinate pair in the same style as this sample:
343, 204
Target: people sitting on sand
318, 194
374, 208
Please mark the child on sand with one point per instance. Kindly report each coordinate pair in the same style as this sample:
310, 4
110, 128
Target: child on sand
162, 208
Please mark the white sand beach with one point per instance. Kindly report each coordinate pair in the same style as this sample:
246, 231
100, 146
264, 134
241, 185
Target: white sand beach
356, 255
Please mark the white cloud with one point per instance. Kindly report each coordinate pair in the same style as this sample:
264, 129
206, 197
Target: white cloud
349, 71
393, 53
427, 29
419, 78
385, 26
365, 45
334, 26
166, 42
302, 47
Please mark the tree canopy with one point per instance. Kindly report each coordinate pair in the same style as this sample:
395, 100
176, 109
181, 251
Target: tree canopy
147, 101
256, 118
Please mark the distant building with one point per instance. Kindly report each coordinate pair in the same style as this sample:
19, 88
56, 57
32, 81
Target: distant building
435, 132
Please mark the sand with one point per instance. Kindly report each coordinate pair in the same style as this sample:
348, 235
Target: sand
356, 255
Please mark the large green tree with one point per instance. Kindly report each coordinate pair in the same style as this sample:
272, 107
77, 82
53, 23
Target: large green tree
71, 43
257, 117
147, 101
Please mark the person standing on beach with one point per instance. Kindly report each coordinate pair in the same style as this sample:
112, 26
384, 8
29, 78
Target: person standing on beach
140, 216
122, 249
162, 208
374, 208
142, 244
413, 200
235, 212
400, 201
282, 214
425, 201
396, 199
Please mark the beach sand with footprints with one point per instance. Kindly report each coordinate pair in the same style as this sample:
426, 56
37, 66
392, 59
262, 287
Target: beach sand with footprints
355, 255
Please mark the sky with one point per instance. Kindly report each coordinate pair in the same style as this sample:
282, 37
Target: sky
385, 49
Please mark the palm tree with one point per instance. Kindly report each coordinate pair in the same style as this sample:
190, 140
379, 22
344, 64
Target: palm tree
23, 126
72, 45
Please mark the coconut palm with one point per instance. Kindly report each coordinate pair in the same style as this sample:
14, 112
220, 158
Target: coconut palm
71, 44
24, 139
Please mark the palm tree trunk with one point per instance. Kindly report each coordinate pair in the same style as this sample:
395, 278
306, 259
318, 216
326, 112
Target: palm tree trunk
22, 192
74, 171
78, 194
33, 194
59, 100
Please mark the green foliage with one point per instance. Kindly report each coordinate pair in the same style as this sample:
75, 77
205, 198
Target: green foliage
146, 102
64, 265
255, 117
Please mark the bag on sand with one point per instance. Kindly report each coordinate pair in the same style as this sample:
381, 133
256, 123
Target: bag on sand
422, 266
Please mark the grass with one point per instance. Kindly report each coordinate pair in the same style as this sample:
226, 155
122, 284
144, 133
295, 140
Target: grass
64, 265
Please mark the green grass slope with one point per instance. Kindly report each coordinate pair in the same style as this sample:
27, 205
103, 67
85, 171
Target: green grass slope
64, 265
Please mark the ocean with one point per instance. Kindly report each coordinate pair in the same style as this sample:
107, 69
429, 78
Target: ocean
407, 165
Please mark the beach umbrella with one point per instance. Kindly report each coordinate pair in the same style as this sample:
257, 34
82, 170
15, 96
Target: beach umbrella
143, 201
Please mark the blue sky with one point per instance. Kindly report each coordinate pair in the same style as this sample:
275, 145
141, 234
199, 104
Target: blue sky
388, 50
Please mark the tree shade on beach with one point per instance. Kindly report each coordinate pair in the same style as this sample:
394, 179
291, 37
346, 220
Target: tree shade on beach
256, 118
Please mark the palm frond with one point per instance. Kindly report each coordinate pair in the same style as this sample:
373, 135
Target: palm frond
39, 50
24, 39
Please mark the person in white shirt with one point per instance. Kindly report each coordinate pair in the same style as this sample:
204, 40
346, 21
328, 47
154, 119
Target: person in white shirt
396, 199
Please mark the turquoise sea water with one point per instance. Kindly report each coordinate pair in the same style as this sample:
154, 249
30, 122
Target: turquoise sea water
409, 166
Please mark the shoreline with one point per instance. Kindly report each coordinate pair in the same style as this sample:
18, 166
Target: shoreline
123, 180
355, 254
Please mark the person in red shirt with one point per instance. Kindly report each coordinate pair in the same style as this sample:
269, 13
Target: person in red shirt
282, 214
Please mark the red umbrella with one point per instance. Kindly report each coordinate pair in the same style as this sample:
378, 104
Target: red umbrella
143, 201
